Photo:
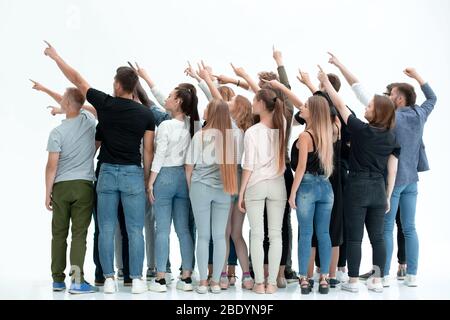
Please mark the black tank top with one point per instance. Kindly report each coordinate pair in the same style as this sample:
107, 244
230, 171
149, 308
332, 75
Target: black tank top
312, 162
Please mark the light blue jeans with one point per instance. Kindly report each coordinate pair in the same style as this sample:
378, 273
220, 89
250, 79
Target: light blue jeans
211, 207
125, 182
314, 204
172, 202
405, 197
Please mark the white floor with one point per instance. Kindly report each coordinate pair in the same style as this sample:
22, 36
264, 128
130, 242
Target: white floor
431, 288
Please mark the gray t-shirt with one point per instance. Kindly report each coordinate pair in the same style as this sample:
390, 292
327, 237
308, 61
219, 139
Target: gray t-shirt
201, 154
74, 139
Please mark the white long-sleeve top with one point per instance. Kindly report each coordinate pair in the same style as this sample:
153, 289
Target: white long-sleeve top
171, 142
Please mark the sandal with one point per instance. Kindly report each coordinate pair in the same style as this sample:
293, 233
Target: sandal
324, 285
232, 279
305, 287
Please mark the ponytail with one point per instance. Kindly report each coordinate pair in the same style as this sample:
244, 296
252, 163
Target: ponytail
188, 95
275, 105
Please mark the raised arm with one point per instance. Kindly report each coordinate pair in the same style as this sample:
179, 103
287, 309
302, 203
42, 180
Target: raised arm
160, 97
223, 79
290, 95
337, 101
427, 107
351, 79
58, 98
304, 78
205, 75
189, 71
70, 73
240, 72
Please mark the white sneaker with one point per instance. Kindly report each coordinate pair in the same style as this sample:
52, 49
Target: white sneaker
139, 286
158, 285
410, 281
342, 276
351, 287
201, 289
169, 278
374, 286
215, 288
185, 284
110, 286
386, 281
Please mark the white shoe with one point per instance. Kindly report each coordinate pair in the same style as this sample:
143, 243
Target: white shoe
110, 286
215, 288
351, 287
201, 289
139, 286
342, 276
410, 281
374, 286
386, 281
158, 285
169, 278
185, 285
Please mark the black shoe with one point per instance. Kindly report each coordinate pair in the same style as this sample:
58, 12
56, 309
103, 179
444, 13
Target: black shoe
127, 282
334, 283
291, 276
99, 282
366, 276
305, 288
311, 283
324, 288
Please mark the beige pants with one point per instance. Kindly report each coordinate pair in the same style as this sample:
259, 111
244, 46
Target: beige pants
272, 194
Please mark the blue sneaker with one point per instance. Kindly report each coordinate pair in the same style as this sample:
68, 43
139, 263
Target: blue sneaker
80, 288
59, 286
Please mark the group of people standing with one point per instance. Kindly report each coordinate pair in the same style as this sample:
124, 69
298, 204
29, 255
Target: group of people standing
162, 163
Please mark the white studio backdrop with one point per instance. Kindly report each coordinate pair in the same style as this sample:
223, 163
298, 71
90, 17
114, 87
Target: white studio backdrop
376, 39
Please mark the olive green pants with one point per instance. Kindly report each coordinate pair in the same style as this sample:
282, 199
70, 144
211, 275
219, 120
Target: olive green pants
72, 200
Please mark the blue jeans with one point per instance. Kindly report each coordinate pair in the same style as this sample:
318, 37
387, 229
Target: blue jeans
314, 204
405, 197
172, 201
124, 182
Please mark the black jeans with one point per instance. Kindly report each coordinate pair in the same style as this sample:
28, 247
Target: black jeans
123, 230
342, 262
401, 251
365, 203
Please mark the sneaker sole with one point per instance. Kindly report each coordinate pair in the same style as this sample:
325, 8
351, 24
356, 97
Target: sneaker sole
59, 290
350, 290
80, 292
186, 288
140, 291
377, 290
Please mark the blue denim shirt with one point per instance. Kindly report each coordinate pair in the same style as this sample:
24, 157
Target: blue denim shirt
159, 115
409, 126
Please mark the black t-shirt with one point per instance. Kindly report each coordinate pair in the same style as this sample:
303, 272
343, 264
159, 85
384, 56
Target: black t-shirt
370, 147
122, 124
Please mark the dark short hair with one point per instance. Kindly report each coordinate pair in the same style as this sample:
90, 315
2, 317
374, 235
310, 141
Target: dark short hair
335, 81
75, 96
384, 113
127, 78
407, 91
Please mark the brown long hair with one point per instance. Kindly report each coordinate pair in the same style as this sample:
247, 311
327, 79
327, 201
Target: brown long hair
275, 105
322, 129
243, 115
219, 119
384, 113
226, 92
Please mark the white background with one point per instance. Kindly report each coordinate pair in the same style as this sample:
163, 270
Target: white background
376, 39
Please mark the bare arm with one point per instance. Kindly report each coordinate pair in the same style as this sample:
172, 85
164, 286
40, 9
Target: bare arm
337, 101
223, 79
351, 79
148, 153
206, 76
240, 72
290, 95
246, 174
189, 168
392, 173
50, 174
304, 78
70, 73
302, 146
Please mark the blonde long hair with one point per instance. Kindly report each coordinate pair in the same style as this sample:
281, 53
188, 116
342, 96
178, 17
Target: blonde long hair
321, 126
219, 119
